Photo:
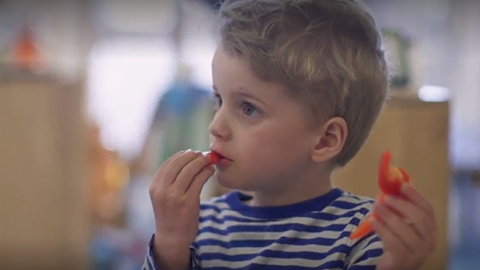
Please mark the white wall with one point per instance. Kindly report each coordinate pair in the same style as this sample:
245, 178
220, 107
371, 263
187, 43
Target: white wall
446, 52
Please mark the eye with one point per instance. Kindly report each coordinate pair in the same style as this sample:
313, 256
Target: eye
218, 101
248, 109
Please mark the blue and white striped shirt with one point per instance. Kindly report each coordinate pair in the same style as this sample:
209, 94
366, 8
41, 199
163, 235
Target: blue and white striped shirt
307, 235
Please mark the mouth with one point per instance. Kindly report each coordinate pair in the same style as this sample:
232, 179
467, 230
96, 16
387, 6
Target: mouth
216, 158
223, 161
219, 153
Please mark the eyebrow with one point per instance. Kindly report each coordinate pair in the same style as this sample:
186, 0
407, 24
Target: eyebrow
241, 93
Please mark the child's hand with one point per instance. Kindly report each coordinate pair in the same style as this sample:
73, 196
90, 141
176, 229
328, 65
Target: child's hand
175, 195
407, 229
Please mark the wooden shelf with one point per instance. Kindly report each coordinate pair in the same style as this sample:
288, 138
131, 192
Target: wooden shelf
416, 133
43, 188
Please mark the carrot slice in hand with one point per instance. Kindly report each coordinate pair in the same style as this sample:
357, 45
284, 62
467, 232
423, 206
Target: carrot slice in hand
390, 181
390, 178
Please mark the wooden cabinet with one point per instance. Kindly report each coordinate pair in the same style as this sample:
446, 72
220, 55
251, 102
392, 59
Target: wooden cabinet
417, 135
44, 215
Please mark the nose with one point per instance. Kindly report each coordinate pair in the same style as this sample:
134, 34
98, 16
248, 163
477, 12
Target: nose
220, 127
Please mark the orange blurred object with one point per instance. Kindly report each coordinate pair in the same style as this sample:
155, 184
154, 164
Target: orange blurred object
25, 53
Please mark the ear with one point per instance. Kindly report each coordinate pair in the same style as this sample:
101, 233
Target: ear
331, 140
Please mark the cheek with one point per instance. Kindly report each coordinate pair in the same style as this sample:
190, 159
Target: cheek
270, 145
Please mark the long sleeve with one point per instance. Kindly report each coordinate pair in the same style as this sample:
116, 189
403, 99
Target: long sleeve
151, 264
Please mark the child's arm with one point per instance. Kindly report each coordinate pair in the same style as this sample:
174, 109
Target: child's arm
175, 196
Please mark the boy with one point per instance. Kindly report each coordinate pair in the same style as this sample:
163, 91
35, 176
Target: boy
299, 85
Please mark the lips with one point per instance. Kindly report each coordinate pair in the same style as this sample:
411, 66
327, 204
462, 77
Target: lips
225, 160
213, 157
220, 153
216, 158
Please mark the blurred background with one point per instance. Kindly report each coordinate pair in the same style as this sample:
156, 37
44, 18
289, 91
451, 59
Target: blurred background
94, 95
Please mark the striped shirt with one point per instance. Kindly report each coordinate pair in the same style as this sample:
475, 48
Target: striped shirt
313, 234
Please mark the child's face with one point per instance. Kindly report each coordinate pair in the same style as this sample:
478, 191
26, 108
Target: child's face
264, 132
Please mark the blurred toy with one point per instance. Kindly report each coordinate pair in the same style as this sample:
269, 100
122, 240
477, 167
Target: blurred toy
26, 55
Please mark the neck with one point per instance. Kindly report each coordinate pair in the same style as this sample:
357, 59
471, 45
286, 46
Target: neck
292, 191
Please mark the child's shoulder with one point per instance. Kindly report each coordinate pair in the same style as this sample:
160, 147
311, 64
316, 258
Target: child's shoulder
216, 204
345, 201
353, 204
357, 199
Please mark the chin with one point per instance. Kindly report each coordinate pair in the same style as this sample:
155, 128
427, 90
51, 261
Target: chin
226, 182
231, 183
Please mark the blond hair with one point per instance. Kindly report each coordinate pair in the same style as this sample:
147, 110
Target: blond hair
327, 54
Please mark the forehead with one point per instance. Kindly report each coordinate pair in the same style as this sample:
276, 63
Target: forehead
236, 68
232, 72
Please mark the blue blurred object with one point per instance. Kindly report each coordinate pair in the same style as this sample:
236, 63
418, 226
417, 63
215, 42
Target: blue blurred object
181, 120
117, 249
214, 4
465, 221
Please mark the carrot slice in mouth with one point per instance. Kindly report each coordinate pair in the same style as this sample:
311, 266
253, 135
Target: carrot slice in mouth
213, 156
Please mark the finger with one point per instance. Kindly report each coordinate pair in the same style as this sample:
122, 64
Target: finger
176, 155
421, 222
159, 175
199, 181
413, 195
390, 241
186, 175
397, 225
176, 165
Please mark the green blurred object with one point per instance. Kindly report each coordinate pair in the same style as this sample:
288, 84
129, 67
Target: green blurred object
2, 62
398, 46
183, 115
